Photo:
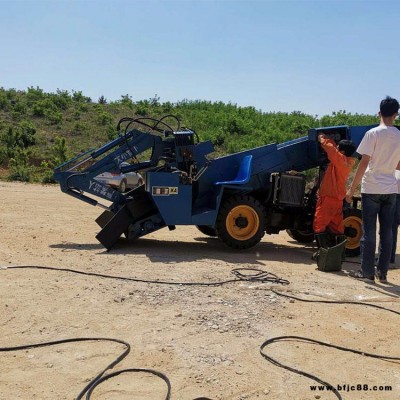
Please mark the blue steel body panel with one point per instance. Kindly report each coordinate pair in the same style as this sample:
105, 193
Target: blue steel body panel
173, 200
356, 133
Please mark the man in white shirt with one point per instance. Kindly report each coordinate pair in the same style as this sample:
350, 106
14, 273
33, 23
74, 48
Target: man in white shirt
396, 222
395, 226
380, 151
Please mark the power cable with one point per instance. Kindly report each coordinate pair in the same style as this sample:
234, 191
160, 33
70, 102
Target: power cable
320, 343
242, 274
336, 302
101, 377
252, 275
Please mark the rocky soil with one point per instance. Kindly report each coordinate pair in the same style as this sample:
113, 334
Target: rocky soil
206, 339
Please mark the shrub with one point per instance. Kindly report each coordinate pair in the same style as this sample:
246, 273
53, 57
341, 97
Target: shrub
61, 100
19, 168
47, 176
9, 140
41, 107
126, 100
34, 95
27, 133
142, 107
83, 107
80, 127
4, 102
236, 126
16, 116
59, 151
55, 117
3, 154
79, 97
104, 118
102, 100
112, 132
11, 94
167, 107
20, 107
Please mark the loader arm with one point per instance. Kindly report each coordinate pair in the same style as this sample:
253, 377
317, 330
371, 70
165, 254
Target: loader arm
76, 176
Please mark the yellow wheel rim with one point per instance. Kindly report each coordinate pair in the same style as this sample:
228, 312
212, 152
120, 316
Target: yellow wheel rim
355, 223
242, 222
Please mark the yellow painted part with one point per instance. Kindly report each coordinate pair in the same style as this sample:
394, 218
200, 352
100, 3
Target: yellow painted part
253, 222
355, 223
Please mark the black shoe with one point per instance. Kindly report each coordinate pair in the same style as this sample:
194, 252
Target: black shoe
381, 278
359, 275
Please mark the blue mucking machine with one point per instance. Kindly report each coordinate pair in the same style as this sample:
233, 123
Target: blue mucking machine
238, 197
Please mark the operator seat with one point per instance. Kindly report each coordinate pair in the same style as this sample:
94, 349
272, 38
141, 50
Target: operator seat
243, 175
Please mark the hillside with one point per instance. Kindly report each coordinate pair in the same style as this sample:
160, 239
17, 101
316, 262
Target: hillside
39, 130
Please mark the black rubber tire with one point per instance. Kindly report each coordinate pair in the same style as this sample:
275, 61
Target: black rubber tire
140, 183
225, 219
301, 236
352, 217
122, 186
207, 230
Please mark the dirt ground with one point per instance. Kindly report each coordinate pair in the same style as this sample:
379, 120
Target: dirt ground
205, 339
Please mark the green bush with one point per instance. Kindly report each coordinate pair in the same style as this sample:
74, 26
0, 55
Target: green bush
42, 107
83, 107
16, 116
27, 133
59, 151
126, 100
4, 102
80, 127
104, 118
61, 100
79, 97
19, 167
102, 100
111, 132
54, 117
9, 141
47, 174
20, 107
3, 155
142, 107
33, 95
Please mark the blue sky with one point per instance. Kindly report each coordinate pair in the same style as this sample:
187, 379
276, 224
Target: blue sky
311, 56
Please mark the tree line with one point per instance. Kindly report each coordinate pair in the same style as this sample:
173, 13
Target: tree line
40, 130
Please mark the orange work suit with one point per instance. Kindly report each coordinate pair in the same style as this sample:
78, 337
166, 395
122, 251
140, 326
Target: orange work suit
329, 210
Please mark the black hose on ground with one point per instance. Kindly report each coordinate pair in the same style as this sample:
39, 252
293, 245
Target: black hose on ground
242, 274
320, 343
101, 377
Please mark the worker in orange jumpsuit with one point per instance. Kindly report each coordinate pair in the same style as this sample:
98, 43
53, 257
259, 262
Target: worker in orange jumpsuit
329, 210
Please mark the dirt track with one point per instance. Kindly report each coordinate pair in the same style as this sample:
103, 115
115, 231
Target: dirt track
205, 339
